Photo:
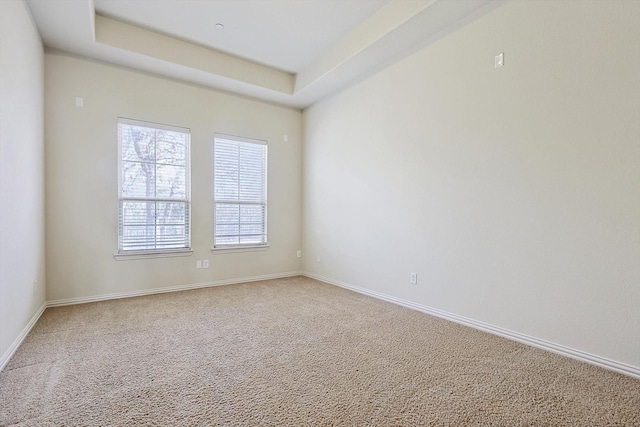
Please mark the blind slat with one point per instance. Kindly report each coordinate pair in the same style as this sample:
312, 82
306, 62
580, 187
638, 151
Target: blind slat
240, 191
154, 186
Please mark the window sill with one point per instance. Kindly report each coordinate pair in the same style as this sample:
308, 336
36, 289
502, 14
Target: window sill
237, 249
152, 254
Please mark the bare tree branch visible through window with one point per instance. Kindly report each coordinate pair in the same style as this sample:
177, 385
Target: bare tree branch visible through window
154, 205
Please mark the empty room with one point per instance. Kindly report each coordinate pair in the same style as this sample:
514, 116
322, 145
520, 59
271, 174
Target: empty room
319, 212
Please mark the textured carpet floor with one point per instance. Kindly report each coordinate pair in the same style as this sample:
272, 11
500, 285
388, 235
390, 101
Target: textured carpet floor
293, 352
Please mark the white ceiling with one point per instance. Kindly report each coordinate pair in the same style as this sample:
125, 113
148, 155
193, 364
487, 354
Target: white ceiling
289, 52
284, 34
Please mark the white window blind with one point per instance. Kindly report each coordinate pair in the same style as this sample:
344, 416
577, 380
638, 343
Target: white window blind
240, 191
154, 188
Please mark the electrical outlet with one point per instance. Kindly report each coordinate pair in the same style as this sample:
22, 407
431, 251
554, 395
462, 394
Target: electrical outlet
318, 258
198, 264
413, 278
299, 254
499, 60
205, 263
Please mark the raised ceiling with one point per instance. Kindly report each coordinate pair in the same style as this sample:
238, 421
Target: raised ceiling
290, 52
283, 34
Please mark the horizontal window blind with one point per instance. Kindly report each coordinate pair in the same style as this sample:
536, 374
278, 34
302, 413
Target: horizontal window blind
154, 187
240, 191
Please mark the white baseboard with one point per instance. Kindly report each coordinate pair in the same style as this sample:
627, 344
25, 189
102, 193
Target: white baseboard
23, 334
613, 365
129, 294
94, 298
582, 356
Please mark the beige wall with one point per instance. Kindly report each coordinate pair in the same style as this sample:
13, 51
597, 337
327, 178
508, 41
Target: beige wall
514, 193
21, 172
82, 181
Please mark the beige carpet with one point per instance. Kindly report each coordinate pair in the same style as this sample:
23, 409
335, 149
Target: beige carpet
292, 352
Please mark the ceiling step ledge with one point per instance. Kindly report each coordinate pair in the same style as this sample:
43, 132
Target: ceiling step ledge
141, 41
395, 31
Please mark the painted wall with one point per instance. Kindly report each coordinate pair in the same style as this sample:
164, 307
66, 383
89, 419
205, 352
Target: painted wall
514, 193
82, 178
21, 172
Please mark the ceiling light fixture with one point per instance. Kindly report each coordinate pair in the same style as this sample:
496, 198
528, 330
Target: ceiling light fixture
219, 26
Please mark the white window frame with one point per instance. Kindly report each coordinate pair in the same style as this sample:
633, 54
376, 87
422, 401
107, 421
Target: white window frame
230, 248
154, 253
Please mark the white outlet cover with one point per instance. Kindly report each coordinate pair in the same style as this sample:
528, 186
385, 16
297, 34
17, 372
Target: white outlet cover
198, 264
205, 263
499, 60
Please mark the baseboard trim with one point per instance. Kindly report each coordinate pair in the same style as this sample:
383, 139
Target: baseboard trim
177, 288
23, 334
602, 362
623, 368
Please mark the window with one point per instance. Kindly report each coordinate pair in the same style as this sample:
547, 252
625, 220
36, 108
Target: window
153, 187
240, 192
